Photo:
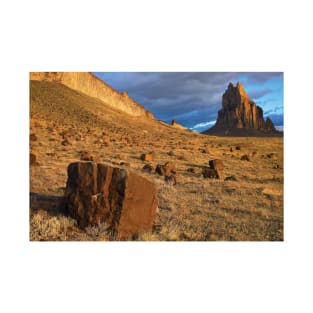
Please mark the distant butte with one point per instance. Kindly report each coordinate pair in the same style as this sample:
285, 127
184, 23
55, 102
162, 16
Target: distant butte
240, 116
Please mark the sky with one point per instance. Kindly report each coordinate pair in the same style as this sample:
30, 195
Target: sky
194, 98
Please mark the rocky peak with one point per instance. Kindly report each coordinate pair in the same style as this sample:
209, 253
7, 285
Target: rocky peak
239, 111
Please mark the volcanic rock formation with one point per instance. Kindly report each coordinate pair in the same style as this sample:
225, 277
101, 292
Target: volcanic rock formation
239, 112
92, 86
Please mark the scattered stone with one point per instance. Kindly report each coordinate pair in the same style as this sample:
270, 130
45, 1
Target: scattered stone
147, 168
148, 157
208, 172
245, 157
213, 201
51, 154
231, 149
97, 193
166, 170
230, 191
33, 159
238, 147
171, 153
86, 156
216, 164
270, 155
106, 140
231, 178
169, 168
32, 137
66, 142
191, 170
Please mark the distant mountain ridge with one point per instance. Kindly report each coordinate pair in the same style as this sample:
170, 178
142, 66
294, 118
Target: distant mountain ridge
91, 85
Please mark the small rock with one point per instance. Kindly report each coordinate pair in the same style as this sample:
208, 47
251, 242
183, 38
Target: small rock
171, 153
33, 159
238, 147
86, 156
32, 137
106, 140
230, 178
210, 173
147, 168
146, 157
191, 170
231, 149
213, 201
216, 164
245, 157
65, 142
166, 170
270, 155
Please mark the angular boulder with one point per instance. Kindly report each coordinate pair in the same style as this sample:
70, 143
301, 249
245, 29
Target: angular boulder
166, 169
148, 157
208, 172
216, 164
96, 193
245, 157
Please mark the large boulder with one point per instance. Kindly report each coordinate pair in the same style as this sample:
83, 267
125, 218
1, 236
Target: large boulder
97, 193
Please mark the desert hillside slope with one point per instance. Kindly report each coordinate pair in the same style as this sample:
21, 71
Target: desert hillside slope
94, 87
245, 203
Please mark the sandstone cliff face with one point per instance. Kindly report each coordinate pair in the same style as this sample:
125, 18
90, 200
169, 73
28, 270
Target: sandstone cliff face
92, 86
240, 112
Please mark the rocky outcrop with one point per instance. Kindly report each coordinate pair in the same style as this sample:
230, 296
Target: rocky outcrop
240, 112
124, 201
92, 86
175, 124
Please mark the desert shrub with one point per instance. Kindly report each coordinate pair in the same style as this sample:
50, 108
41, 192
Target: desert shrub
98, 232
45, 227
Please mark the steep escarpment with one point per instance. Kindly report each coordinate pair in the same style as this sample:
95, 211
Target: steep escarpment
90, 85
240, 115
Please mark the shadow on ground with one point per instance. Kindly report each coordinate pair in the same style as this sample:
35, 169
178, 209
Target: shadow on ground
54, 205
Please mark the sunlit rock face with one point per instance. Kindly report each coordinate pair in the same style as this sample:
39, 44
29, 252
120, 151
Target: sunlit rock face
89, 84
240, 112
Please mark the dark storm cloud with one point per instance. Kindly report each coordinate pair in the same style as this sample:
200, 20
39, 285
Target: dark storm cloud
261, 77
190, 98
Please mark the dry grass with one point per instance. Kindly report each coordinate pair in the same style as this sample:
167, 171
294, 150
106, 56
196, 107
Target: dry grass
250, 208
